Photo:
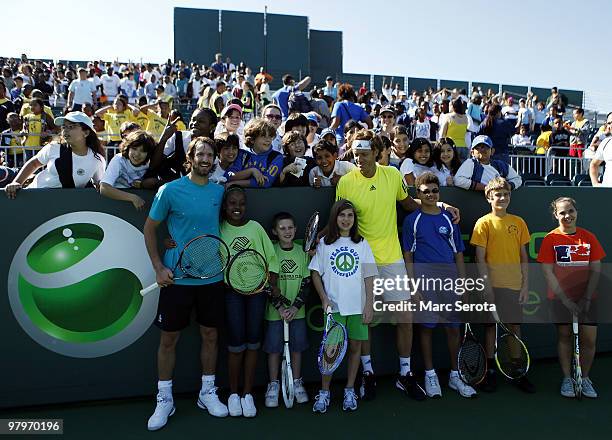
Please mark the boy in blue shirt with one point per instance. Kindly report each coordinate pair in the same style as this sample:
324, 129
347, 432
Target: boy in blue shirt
433, 250
261, 166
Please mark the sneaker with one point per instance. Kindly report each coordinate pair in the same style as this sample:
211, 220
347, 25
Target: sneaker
321, 402
464, 390
248, 406
164, 409
367, 389
409, 385
272, 395
524, 385
567, 387
587, 389
350, 400
209, 400
301, 396
489, 384
432, 386
234, 406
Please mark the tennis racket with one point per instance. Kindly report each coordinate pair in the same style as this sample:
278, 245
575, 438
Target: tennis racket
203, 257
247, 272
471, 360
576, 368
286, 370
311, 232
511, 355
333, 345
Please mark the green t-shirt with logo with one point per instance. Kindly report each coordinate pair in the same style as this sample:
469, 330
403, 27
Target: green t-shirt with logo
250, 236
293, 268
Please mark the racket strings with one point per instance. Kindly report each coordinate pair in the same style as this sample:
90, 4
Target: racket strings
204, 257
472, 362
248, 272
512, 357
333, 348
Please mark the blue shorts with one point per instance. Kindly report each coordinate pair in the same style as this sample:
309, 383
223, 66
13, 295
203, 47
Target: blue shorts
274, 341
244, 317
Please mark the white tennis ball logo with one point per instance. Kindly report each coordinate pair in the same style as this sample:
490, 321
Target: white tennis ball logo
74, 285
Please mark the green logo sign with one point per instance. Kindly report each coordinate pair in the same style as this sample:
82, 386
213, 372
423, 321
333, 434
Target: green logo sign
74, 285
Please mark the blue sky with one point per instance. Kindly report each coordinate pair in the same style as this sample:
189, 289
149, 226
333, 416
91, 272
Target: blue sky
514, 42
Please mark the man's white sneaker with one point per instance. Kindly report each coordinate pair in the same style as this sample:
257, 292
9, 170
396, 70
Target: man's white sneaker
321, 402
464, 390
587, 389
248, 406
234, 406
163, 410
272, 395
567, 388
210, 401
432, 386
301, 396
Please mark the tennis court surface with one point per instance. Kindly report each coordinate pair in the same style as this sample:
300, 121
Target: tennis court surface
506, 414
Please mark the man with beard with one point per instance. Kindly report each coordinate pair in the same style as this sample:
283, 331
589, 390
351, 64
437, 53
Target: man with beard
190, 207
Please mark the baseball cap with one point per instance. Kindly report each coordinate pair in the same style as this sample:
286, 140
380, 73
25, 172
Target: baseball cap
402, 93
231, 107
77, 117
482, 140
327, 131
387, 109
329, 78
312, 117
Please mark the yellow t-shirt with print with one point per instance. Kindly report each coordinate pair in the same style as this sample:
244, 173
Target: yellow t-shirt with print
34, 126
502, 238
156, 125
112, 123
180, 126
375, 203
142, 120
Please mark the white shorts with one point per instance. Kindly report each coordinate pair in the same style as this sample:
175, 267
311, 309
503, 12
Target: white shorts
392, 271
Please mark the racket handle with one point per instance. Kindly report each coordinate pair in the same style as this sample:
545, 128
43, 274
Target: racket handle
149, 289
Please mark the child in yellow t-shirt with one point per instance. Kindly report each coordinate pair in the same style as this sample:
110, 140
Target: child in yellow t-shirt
500, 240
115, 115
37, 124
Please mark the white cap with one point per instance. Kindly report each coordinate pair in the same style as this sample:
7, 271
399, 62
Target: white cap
361, 144
78, 117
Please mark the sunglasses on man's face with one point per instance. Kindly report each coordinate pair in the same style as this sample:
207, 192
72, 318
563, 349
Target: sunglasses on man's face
387, 116
277, 117
430, 191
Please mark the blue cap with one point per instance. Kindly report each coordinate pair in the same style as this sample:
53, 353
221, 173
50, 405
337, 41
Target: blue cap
482, 140
327, 131
312, 117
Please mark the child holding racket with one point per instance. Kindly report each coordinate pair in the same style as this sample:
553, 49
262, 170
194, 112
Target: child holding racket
343, 271
245, 312
571, 262
433, 248
500, 240
294, 284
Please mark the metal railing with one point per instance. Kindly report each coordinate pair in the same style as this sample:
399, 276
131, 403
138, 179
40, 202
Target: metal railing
550, 163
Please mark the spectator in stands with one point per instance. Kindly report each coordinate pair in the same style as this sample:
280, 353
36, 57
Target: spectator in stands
419, 160
17, 89
110, 84
402, 116
231, 122
557, 99
127, 170
603, 132
114, 116
474, 108
218, 66
580, 130
81, 91
6, 107
157, 120
446, 161
312, 137
522, 139
524, 116
151, 87
560, 138
455, 126
319, 105
543, 141
219, 98
345, 110
170, 88
401, 142
73, 167
509, 112
272, 114
539, 117
248, 101
475, 173
499, 131
281, 97
387, 121
330, 89
296, 166
329, 169
421, 127
10, 137
7, 78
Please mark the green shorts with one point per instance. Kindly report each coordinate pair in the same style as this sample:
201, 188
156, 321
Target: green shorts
355, 328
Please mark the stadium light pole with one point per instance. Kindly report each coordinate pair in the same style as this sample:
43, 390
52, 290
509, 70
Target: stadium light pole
265, 32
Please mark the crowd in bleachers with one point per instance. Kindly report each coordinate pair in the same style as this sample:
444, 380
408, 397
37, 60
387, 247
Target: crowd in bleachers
301, 134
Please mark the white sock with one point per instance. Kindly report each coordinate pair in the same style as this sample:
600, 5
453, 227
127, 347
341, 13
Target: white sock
366, 363
165, 388
430, 373
208, 382
404, 365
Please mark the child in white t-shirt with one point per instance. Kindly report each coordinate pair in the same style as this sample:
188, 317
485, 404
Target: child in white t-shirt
227, 146
343, 271
419, 160
329, 169
127, 170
